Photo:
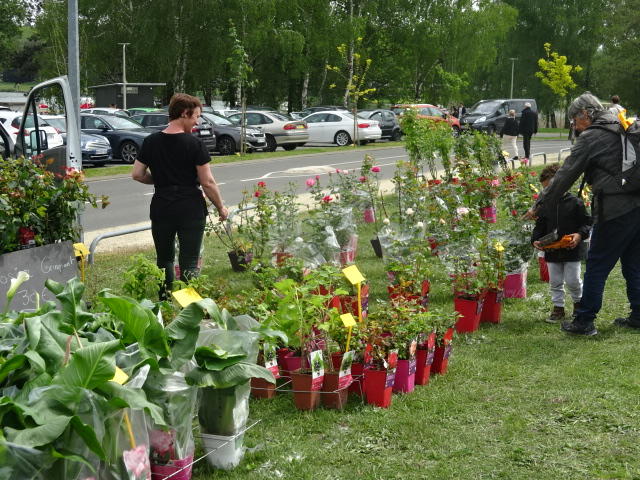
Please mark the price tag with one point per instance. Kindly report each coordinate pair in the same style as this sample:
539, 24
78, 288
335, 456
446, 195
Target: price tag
348, 320
271, 359
353, 274
344, 376
186, 296
120, 377
317, 369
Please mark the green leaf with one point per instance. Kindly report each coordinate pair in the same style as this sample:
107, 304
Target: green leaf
45, 338
38, 436
129, 312
70, 298
88, 434
230, 376
184, 330
122, 396
90, 366
14, 363
72, 457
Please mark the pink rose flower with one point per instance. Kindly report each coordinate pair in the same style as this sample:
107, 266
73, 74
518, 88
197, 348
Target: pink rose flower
137, 462
161, 441
310, 182
262, 184
363, 179
375, 169
327, 198
495, 182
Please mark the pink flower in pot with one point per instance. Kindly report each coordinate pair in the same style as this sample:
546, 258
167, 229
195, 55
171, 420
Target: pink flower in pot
161, 442
137, 462
310, 182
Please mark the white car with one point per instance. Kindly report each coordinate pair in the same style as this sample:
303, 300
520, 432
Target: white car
106, 111
11, 122
280, 131
336, 126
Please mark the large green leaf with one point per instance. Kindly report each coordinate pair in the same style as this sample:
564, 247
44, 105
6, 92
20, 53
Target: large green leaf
63, 454
88, 435
230, 376
216, 359
90, 366
36, 382
14, 363
122, 396
184, 330
129, 312
45, 337
70, 298
40, 435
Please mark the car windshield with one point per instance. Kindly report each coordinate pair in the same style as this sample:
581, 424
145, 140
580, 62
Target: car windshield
364, 113
399, 110
281, 117
118, 122
485, 108
217, 119
59, 123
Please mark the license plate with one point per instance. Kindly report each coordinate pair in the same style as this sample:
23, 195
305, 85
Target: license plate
260, 142
205, 132
101, 152
300, 127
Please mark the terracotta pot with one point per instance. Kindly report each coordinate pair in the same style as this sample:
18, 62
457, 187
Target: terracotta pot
358, 383
336, 360
304, 395
377, 247
492, 307
260, 388
378, 387
405, 378
333, 395
469, 311
288, 363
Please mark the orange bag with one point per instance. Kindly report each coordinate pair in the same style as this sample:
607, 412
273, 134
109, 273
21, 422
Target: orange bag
564, 242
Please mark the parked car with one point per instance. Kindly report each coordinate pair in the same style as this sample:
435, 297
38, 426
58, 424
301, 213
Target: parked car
228, 135
96, 149
124, 134
337, 127
106, 111
279, 130
6, 143
387, 121
225, 112
159, 121
489, 115
322, 108
11, 121
138, 110
433, 112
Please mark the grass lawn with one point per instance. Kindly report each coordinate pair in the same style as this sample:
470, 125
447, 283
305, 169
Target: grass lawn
522, 400
559, 131
16, 87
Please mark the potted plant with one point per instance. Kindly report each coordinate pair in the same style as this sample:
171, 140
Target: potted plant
380, 365
444, 337
493, 273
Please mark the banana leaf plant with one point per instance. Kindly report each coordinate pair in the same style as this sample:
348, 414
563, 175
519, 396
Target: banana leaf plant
57, 392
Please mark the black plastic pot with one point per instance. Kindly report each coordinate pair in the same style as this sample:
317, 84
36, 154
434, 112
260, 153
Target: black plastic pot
238, 261
375, 243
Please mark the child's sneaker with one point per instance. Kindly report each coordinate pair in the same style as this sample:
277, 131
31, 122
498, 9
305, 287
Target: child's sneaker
557, 314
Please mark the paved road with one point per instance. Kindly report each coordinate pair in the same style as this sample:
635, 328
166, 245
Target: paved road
130, 200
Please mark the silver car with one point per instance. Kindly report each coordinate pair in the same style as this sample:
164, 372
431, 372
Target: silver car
279, 130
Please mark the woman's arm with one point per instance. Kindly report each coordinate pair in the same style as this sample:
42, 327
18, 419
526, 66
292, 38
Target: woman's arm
141, 173
211, 190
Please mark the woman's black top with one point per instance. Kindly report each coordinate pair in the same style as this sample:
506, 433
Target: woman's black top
172, 159
510, 127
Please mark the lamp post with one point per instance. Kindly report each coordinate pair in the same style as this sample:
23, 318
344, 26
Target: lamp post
513, 62
124, 75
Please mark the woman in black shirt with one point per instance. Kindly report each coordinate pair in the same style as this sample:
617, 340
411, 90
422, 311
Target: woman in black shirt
510, 133
177, 164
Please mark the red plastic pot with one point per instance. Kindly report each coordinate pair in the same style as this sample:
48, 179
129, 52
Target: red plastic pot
442, 354
333, 394
424, 359
469, 311
422, 298
289, 363
260, 388
304, 395
544, 270
405, 378
377, 387
515, 285
489, 214
492, 307
357, 373
349, 303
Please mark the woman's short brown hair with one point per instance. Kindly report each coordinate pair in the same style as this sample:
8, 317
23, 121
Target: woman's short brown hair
182, 103
549, 172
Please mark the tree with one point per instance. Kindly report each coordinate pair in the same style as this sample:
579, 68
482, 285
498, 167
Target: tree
12, 15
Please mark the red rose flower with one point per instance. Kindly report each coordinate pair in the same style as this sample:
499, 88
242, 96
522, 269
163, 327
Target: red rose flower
327, 198
262, 184
257, 193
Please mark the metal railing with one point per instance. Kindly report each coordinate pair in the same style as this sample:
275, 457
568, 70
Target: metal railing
540, 154
560, 153
142, 228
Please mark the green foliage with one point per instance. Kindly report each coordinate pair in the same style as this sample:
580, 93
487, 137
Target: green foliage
143, 278
555, 73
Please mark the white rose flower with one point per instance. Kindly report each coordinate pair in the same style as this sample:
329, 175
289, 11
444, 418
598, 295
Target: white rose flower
345, 171
386, 221
298, 240
409, 211
462, 210
419, 225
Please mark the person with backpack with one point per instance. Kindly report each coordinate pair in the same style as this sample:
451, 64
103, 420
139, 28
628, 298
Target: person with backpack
510, 132
570, 219
598, 154
528, 128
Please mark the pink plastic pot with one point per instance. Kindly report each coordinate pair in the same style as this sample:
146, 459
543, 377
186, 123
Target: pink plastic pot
405, 379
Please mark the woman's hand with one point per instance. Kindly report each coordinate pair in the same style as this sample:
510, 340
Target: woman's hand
223, 214
576, 238
537, 245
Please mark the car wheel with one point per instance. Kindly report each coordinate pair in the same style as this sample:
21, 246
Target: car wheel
289, 146
128, 152
456, 131
342, 139
396, 136
226, 146
300, 144
271, 144
491, 130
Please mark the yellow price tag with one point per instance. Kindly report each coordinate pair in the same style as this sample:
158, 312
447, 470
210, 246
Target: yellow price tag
186, 296
120, 377
353, 274
80, 250
348, 320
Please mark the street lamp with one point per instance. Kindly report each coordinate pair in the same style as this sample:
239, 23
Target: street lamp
124, 75
513, 62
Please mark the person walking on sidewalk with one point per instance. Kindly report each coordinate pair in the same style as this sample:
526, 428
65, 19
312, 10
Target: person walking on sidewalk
510, 133
569, 218
528, 128
616, 108
616, 231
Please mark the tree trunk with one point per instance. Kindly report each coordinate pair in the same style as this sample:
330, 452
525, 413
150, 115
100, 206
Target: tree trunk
305, 89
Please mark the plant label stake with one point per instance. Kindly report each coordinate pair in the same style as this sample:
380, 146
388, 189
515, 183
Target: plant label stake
120, 377
81, 252
186, 296
317, 369
355, 277
349, 322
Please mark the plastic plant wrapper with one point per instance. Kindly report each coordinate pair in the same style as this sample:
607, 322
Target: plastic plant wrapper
178, 402
309, 253
224, 411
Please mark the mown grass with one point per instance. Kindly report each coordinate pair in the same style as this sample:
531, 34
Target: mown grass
522, 400
217, 159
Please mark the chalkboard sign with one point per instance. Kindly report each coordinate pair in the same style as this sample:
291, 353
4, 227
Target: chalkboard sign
55, 261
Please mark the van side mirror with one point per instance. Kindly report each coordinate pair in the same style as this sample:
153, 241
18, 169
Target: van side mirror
33, 139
